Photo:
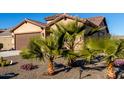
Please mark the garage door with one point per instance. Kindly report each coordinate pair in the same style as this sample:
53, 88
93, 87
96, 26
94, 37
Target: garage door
22, 40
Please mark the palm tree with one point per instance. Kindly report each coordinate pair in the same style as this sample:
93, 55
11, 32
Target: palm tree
73, 39
87, 54
111, 50
69, 36
74, 34
94, 30
44, 49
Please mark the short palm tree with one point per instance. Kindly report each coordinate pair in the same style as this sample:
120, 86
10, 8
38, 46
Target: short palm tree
74, 33
73, 39
111, 50
44, 49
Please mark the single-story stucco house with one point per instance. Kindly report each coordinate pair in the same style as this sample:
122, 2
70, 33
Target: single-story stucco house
98, 21
27, 29
65, 18
6, 40
23, 32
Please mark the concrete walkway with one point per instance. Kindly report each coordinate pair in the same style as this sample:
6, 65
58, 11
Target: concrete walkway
9, 53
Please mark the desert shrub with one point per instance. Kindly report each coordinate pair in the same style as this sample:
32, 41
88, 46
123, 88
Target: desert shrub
28, 67
4, 62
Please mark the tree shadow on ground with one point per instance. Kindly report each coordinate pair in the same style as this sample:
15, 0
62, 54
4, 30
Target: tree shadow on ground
98, 68
14, 63
60, 67
86, 76
64, 69
8, 75
78, 63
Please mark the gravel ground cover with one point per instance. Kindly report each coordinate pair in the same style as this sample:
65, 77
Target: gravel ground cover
91, 71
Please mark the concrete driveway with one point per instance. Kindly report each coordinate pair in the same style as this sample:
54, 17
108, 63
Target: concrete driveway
9, 53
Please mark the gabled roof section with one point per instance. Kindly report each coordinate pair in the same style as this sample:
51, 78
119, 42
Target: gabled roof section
6, 33
49, 18
62, 16
37, 23
96, 20
93, 21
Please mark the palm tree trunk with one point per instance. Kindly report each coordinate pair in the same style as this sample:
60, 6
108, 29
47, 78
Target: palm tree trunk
110, 71
50, 67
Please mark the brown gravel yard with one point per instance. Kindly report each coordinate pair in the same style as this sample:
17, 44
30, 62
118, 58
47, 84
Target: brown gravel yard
91, 71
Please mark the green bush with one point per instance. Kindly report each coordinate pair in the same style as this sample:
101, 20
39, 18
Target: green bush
4, 62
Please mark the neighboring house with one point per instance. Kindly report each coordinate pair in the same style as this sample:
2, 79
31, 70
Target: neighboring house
121, 37
6, 40
1, 30
26, 30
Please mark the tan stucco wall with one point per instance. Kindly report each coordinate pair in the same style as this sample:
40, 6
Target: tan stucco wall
27, 28
7, 42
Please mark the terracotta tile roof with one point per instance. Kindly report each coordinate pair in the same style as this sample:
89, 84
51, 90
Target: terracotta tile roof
36, 22
49, 18
83, 20
96, 20
93, 21
40, 24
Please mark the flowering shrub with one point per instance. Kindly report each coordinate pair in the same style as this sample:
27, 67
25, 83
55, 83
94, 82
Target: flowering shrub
119, 62
28, 67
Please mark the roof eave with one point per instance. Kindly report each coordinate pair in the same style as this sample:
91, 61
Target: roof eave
26, 20
85, 21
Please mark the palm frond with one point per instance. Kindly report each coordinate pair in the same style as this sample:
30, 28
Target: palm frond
91, 30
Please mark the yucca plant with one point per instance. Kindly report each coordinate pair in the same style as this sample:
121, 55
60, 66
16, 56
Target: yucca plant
44, 49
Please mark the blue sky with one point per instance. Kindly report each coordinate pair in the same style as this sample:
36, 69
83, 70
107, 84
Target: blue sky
115, 21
